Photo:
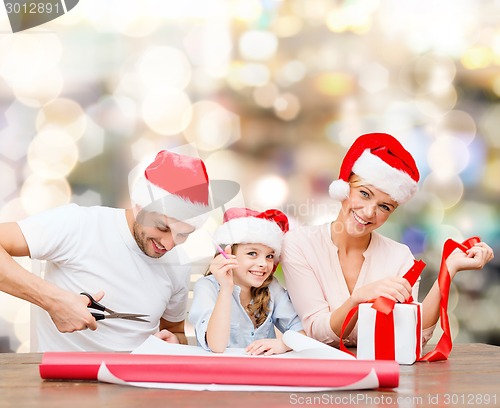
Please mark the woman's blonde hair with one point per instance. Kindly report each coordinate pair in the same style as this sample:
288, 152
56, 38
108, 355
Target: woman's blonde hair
258, 307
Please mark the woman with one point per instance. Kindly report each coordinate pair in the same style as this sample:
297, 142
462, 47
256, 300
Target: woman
331, 268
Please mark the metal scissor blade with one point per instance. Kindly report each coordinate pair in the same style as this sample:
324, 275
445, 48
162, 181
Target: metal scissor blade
128, 316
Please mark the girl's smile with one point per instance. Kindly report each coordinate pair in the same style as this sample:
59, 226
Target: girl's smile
256, 263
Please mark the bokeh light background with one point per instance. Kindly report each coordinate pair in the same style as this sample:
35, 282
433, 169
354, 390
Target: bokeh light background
271, 93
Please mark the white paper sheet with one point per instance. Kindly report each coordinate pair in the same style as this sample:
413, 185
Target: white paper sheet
104, 375
302, 347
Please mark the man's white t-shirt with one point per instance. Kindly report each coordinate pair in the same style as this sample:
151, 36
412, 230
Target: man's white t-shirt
89, 249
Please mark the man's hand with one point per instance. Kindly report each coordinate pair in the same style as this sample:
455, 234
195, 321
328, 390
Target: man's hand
69, 312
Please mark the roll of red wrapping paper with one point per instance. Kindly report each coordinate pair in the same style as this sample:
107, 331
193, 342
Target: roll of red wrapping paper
217, 370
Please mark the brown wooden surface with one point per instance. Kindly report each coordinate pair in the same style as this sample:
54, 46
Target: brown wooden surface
467, 379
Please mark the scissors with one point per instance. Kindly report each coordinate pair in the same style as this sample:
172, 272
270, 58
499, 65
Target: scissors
112, 314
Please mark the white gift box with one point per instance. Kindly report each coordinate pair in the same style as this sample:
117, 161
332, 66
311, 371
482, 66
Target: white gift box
407, 332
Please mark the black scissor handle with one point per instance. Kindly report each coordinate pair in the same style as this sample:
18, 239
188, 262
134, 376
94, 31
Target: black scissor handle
94, 305
98, 316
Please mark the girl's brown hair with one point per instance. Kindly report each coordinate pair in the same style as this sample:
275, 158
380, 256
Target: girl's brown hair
260, 297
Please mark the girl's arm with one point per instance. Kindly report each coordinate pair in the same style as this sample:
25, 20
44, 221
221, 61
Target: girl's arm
219, 324
475, 258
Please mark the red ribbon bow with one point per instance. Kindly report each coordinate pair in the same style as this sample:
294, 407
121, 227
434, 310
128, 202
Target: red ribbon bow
384, 334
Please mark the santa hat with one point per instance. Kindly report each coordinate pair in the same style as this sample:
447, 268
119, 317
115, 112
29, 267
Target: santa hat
178, 186
245, 226
380, 160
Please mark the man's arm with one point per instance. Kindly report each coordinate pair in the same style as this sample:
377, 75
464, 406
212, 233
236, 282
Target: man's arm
68, 310
176, 328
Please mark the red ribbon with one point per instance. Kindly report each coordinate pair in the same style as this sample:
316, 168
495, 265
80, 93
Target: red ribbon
444, 345
384, 334
384, 319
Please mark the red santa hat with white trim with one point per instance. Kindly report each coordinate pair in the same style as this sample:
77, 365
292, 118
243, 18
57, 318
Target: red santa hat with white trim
245, 226
178, 186
380, 160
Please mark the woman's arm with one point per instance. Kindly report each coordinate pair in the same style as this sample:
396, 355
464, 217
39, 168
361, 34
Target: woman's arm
474, 259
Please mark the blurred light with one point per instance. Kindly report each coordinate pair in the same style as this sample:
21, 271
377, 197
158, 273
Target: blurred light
22, 53
457, 124
167, 110
440, 233
477, 58
9, 183
426, 209
212, 127
143, 147
12, 211
17, 135
248, 74
29, 64
164, 67
436, 104
209, 46
334, 84
268, 192
38, 88
348, 18
287, 26
215, 10
473, 174
245, 10
52, 154
448, 156
258, 45
287, 106
134, 18
117, 114
91, 144
22, 321
446, 26
475, 218
39, 194
434, 73
496, 86
449, 190
62, 114
292, 71
490, 179
265, 96
225, 164
373, 77
489, 125
87, 198
312, 11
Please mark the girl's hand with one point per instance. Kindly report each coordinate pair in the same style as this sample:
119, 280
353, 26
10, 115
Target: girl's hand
267, 347
475, 258
167, 336
222, 268
395, 288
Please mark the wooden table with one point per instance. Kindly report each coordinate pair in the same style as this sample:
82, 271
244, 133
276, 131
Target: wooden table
471, 377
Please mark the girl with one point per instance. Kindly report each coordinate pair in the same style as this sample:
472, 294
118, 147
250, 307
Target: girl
331, 268
239, 302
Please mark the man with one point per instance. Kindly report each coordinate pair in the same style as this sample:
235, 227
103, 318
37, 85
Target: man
125, 257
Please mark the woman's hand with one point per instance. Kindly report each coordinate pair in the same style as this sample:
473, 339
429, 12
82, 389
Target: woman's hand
475, 258
222, 268
267, 347
395, 288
